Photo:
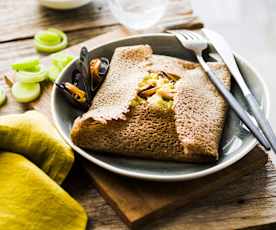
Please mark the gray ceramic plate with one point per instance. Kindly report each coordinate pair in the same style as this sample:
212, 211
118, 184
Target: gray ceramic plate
236, 141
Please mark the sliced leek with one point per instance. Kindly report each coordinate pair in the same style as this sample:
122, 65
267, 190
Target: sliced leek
50, 41
25, 92
32, 77
59, 62
53, 72
61, 59
49, 37
26, 64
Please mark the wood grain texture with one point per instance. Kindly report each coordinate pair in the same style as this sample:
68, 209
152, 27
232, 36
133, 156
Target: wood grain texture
24, 21
11, 51
248, 203
139, 201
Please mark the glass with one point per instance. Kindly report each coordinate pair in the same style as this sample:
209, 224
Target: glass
138, 14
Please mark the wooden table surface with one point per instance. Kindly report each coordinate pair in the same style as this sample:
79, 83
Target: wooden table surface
248, 203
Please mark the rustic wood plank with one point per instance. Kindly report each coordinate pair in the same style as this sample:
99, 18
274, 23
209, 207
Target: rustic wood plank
23, 23
11, 51
101, 216
248, 203
24, 48
24, 20
139, 201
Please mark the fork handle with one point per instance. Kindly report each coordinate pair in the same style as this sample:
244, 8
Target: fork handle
262, 121
234, 104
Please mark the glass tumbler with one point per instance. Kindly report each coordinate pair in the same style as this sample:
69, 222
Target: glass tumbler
138, 14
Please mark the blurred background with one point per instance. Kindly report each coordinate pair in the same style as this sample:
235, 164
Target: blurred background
250, 28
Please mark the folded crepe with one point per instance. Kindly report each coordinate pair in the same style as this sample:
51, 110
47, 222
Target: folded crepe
189, 131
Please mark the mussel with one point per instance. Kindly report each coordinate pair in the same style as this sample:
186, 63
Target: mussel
85, 80
170, 76
147, 92
99, 67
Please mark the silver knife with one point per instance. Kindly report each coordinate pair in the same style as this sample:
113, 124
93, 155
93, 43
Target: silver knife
227, 56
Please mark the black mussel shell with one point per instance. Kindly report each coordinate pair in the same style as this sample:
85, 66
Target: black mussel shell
79, 81
104, 66
70, 98
98, 70
84, 69
84, 80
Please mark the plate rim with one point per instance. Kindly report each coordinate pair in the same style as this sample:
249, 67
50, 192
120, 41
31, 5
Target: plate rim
153, 177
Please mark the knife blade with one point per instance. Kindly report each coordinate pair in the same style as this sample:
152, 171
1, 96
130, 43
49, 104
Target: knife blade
224, 50
227, 56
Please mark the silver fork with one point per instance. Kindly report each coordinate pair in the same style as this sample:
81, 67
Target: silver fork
197, 44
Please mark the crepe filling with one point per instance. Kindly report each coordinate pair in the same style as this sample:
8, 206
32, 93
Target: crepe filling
157, 89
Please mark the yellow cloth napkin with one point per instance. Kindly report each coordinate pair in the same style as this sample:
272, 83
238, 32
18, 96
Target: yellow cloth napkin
30, 200
33, 136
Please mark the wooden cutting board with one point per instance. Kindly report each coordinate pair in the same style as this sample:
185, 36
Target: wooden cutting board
139, 201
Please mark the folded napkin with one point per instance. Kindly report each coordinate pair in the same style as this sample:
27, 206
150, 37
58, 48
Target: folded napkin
29, 199
33, 161
33, 136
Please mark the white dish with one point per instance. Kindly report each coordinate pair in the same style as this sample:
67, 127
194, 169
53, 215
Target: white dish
236, 141
63, 4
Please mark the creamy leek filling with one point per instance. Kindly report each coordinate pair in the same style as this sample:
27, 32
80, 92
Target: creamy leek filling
157, 90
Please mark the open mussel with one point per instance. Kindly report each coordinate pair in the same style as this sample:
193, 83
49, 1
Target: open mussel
74, 95
170, 76
85, 80
99, 67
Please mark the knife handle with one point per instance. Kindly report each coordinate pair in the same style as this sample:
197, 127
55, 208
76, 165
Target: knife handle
234, 104
262, 120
